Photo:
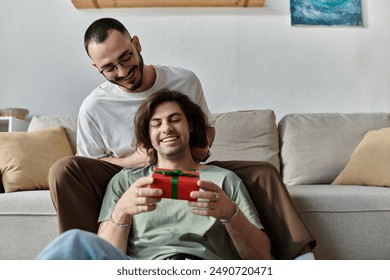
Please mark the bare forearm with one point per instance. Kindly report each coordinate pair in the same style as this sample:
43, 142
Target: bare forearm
135, 160
213, 201
250, 242
135, 200
124, 162
115, 235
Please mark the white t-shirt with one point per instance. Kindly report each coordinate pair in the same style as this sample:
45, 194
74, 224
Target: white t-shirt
106, 118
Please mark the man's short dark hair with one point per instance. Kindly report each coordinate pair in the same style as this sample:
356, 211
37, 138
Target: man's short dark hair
193, 113
98, 31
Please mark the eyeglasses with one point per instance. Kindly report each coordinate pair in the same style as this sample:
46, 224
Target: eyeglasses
111, 71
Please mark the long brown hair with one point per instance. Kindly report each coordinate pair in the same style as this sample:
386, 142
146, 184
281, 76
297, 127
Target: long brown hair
194, 114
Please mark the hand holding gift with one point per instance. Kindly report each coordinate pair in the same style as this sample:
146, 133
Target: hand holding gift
176, 184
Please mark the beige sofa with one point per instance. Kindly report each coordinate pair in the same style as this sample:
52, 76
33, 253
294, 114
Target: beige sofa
310, 151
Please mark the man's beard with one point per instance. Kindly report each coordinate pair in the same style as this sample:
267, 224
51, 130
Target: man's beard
172, 153
132, 87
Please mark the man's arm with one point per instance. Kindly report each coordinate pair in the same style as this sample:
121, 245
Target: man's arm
250, 241
136, 199
114, 234
139, 158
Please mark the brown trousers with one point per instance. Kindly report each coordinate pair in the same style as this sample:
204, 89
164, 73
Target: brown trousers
77, 187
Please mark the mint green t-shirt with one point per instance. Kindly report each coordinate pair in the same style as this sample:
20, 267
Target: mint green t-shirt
172, 228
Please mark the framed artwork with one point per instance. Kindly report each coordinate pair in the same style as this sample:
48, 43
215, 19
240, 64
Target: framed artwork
97, 4
326, 12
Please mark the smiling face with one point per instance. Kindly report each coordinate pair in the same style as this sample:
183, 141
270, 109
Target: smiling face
112, 51
169, 132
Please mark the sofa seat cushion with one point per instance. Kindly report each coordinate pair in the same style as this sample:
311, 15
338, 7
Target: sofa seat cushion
34, 202
340, 198
28, 224
346, 220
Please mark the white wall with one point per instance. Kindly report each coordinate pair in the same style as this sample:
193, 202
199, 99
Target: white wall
245, 58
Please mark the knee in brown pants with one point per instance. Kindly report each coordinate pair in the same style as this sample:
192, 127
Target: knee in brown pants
77, 186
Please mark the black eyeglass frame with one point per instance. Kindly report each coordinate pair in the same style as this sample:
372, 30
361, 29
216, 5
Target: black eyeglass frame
121, 62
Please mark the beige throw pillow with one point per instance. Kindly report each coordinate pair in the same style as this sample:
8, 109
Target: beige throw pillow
68, 122
370, 162
26, 157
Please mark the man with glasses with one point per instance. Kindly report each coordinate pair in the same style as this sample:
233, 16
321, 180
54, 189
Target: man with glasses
106, 142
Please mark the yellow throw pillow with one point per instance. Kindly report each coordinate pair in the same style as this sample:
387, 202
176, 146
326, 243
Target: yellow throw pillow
26, 157
369, 164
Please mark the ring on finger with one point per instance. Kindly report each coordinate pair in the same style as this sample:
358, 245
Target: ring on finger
215, 197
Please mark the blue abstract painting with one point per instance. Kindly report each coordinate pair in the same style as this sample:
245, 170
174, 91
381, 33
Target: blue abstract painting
326, 12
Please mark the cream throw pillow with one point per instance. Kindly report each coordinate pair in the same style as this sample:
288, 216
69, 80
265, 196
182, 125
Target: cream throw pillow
370, 162
26, 157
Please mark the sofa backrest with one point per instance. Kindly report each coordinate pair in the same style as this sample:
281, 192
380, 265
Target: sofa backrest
314, 148
241, 135
246, 135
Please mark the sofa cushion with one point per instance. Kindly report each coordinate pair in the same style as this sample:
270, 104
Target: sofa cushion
25, 157
369, 163
246, 135
349, 222
29, 223
68, 122
316, 147
30, 202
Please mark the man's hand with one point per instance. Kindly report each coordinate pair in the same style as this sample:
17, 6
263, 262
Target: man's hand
141, 157
199, 154
214, 202
242, 232
138, 198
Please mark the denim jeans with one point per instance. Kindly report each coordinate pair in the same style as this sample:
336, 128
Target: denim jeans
77, 244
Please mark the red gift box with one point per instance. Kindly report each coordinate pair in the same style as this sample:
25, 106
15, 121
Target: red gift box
176, 184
